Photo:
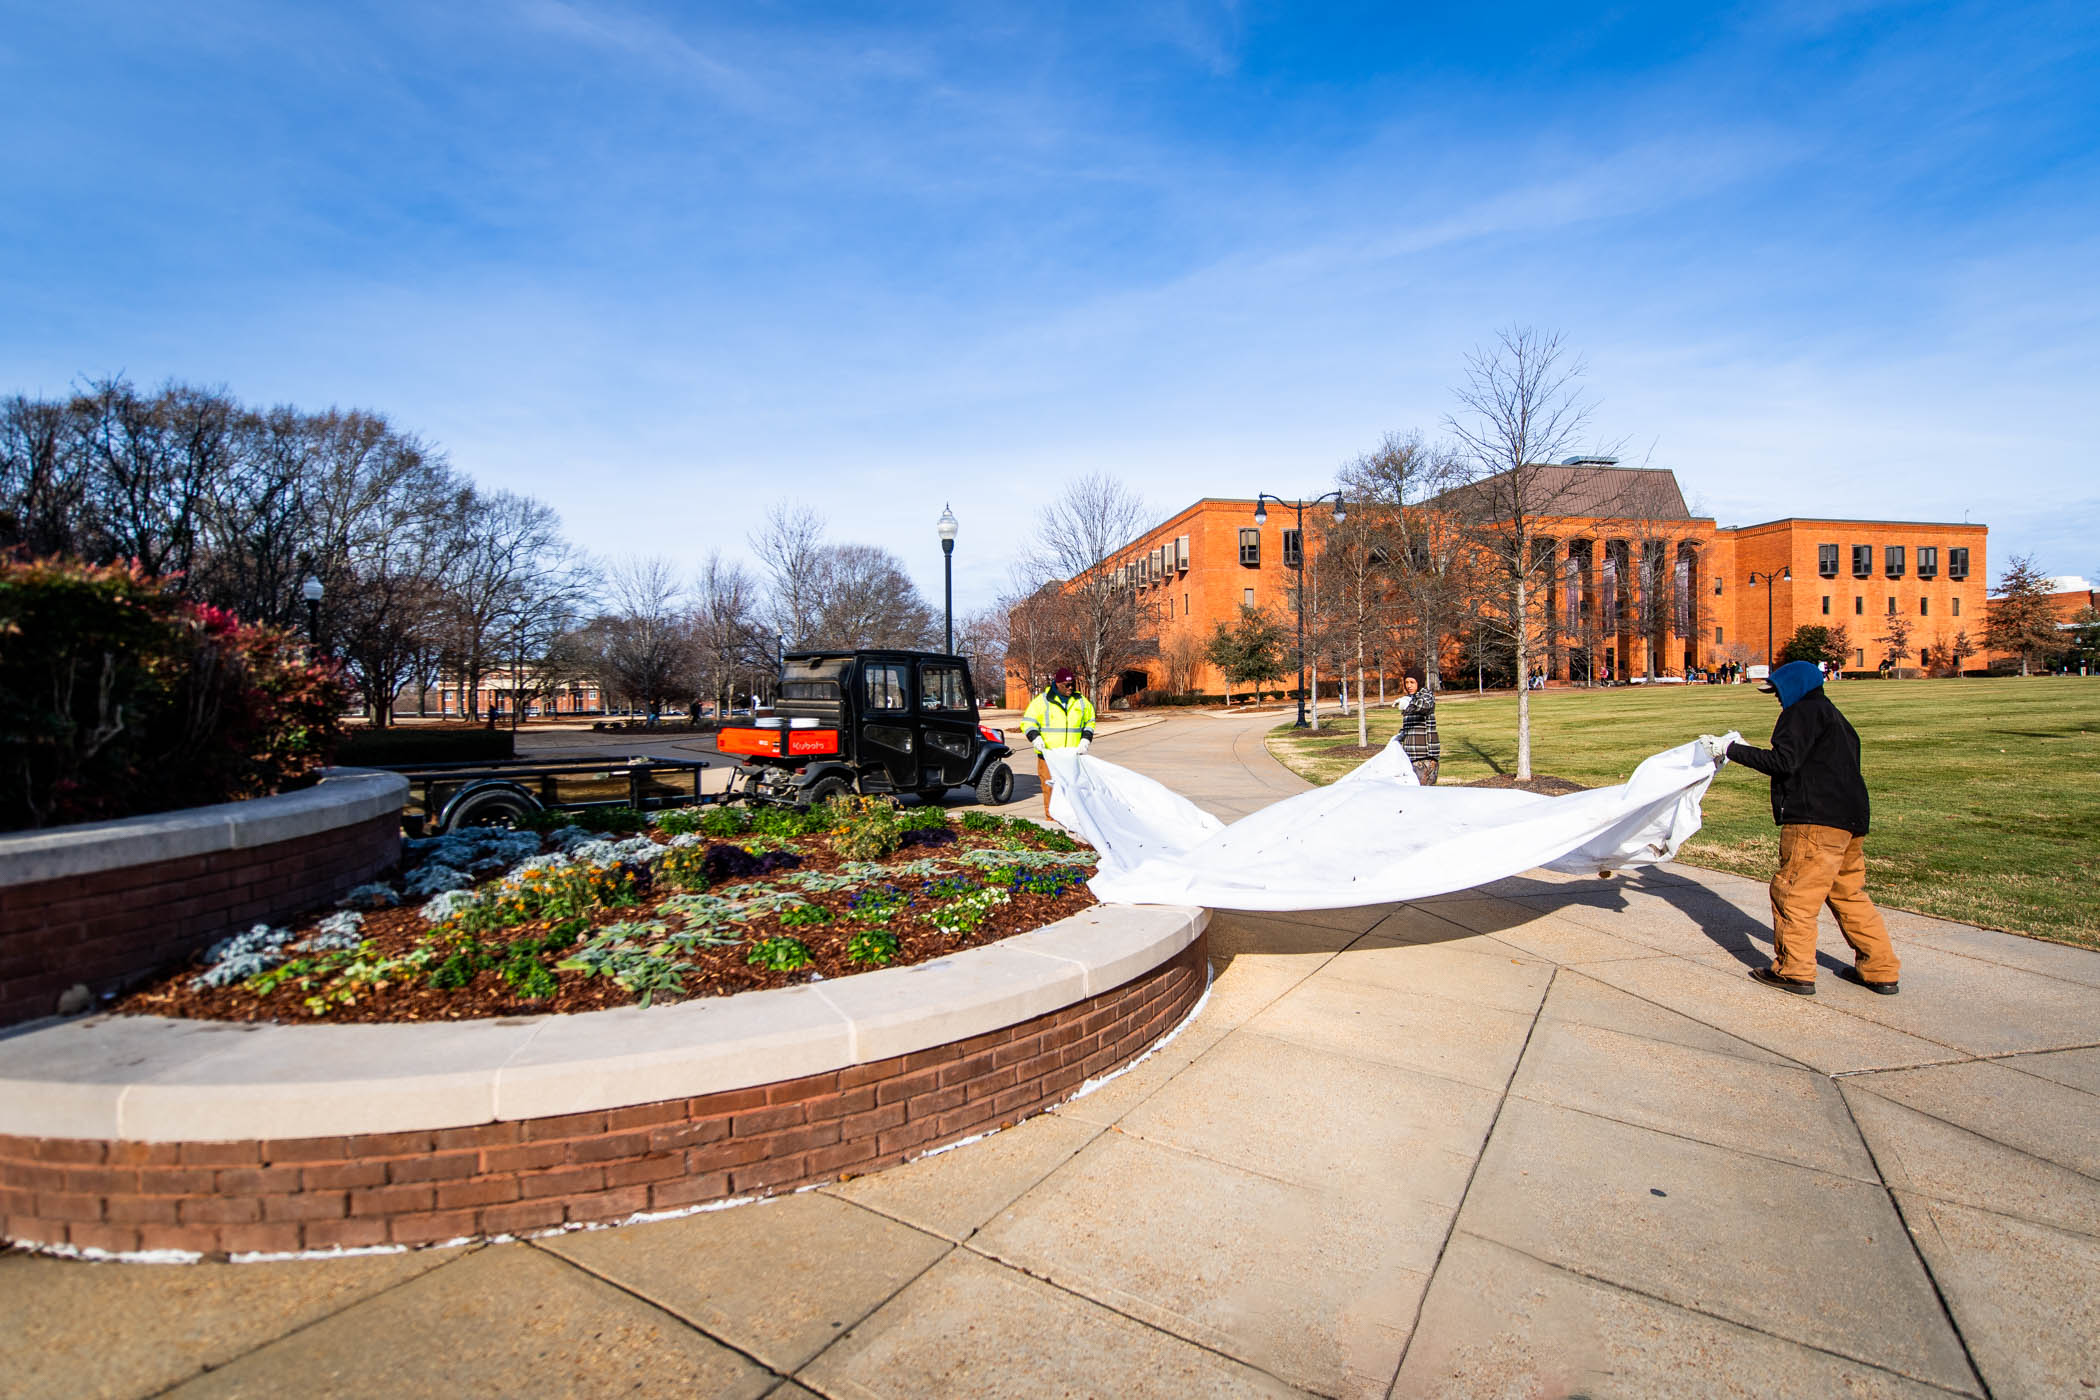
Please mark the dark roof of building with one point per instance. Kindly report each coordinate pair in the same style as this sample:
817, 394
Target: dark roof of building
1600, 492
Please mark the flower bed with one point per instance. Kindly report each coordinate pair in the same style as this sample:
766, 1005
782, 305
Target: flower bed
701, 903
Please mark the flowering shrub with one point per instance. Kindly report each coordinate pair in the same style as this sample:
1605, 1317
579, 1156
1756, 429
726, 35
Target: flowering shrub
117, 698
863, 828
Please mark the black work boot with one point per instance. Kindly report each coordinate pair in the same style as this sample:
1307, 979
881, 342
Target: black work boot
1785, 984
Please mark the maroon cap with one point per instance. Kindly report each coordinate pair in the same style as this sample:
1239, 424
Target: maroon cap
1064, 676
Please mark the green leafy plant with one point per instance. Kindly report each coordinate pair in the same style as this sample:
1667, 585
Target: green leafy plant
680, 821
922, 819
873, 947
779, 954
723, 822
786, 822
805, 916
982, 822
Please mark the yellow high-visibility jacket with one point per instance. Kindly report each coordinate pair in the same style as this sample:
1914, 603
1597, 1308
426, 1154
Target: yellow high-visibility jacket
1062, 723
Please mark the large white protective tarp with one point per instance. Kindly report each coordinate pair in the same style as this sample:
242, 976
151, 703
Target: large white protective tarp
1373, 837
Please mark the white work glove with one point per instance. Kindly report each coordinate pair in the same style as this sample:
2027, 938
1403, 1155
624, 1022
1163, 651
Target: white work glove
1042, 750
1716, 748
1084, 744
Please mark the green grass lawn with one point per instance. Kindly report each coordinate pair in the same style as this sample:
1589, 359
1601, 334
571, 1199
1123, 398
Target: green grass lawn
1986, 792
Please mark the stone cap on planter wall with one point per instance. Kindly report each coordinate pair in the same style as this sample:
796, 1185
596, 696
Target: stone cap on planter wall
155, 1079
344, 797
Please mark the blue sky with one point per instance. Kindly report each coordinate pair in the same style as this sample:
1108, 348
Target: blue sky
663, 265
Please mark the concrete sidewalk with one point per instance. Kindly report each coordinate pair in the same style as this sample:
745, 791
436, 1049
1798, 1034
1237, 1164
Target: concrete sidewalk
1542, 1138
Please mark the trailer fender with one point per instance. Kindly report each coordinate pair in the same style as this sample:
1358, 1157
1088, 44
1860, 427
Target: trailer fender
488, 802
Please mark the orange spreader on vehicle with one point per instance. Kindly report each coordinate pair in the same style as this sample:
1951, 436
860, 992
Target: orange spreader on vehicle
767, 743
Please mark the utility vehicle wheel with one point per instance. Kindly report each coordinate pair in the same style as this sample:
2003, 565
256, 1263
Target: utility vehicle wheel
498, 807
823, 790
996, 787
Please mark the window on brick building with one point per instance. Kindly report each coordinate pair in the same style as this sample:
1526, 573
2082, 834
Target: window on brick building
1247, 597
1184, 605
1827, 560
1958, 564
1293, 550
1924, 607
1717, 636
1863, 561
1892, 607
1826, 605
1892, 561
1859, 606
1250, 550
1957, 607
1928, 561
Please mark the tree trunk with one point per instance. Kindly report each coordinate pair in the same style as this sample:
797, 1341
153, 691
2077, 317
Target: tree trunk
1363, 717
1312, 698
1523, 683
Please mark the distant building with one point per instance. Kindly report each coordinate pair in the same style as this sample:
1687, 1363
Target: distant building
496, 689
1633, 585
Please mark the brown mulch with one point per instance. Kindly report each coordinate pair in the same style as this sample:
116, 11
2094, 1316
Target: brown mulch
712, 971
1545, 785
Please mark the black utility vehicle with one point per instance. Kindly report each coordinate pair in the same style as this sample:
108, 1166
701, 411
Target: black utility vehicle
869, 722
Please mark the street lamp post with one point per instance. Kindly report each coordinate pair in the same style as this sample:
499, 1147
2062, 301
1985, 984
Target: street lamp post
1261, 517
947, 528
311, 591
1785, 575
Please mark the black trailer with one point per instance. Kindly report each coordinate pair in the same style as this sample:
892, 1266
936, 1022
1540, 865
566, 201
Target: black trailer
446, 796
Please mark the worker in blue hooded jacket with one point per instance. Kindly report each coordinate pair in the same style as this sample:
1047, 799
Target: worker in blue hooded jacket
1819, 800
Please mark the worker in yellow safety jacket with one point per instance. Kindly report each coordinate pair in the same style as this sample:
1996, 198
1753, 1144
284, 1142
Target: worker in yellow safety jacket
1057, 719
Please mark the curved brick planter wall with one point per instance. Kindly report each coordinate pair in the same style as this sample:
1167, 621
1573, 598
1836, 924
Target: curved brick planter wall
411, 1188
105, 903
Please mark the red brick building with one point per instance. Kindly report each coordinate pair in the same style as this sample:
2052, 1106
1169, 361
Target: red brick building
1633, 584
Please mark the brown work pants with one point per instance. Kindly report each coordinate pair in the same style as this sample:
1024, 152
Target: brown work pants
1821, 865
1042, 771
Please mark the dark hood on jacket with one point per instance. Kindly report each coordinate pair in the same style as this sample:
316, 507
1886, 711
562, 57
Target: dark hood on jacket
1796, 679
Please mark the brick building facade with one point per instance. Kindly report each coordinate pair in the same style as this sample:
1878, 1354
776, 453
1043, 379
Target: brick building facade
1633, 585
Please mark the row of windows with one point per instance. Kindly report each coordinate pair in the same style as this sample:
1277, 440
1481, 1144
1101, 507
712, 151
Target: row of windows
942, 687
1859, 606
1250, 549
1892, 561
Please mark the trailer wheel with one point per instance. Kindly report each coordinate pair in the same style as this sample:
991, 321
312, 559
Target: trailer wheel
996, 787
495, 807
823, 790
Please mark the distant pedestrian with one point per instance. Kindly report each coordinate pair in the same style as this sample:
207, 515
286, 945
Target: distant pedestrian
1418, 737
1057, 719
1819, 801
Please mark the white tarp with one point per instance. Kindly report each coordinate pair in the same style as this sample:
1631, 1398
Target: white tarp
1373, 837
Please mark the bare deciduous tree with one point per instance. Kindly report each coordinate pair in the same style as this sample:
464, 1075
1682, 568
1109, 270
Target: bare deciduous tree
790, 545
727, 625
982, 638
650, 651
865, 599
1077, 538
1520, 409
1428, 558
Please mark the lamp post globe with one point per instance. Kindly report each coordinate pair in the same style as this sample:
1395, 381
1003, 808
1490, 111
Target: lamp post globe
311, 591
947, 527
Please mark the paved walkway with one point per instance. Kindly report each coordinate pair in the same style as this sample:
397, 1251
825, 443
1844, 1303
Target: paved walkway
1543, 1138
